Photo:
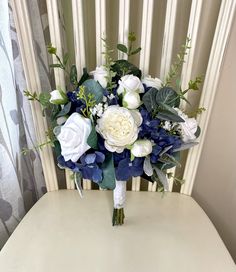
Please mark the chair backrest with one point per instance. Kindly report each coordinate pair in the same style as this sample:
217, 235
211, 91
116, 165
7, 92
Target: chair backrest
164, 26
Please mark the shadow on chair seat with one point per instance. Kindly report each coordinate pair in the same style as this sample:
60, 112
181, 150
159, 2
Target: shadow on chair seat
63, 232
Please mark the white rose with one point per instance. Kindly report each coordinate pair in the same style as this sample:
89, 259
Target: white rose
130, 83
73, 137
152, 82
100, 75
188, 128
58, 97
141, 148
118, 127
131, 100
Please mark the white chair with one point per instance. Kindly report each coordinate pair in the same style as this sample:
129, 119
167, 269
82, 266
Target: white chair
63, 232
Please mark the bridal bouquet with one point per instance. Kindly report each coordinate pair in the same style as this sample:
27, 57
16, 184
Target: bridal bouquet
115, 123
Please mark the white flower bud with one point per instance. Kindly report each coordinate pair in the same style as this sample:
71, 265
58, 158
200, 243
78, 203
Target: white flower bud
131, 100
141, 148
100, 75
58, 97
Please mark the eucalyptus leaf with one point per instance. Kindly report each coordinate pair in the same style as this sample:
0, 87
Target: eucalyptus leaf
186, 146
92, 140
122, 48
65, 110
108, 169
147, 167
135, 51
168, 96
149, 99
162, 178
198, 132
169, 116
93, 87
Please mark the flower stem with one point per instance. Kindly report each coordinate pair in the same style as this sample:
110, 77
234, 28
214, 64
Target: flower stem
118, 217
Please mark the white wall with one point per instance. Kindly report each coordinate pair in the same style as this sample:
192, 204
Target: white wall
215, 184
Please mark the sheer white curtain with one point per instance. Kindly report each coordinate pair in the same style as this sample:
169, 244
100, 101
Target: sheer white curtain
21, 176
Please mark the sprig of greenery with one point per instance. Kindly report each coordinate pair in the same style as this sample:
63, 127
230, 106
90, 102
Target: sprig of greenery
61, 63
174, 69
129, 51
42, 98
177, 181
88, 99
197, 112
108, 65
31, 96
25, 150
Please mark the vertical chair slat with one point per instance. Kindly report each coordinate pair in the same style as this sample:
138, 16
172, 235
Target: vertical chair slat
145, 55
79, 45
24, 32
124, 9
222, 32
56, 40
167, 49
100, 12
168, 39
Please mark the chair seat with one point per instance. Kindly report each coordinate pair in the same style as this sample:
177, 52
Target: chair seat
63, 232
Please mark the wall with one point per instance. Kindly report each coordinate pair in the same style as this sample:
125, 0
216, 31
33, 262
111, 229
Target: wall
215, 184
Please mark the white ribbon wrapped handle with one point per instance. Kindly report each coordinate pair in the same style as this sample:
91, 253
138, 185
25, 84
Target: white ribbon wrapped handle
119, 194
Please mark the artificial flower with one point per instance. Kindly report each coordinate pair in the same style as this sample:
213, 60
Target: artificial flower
73, 137
141, 148
130, 83
118, 127
58, 97
100, 75
152, 82
131, 100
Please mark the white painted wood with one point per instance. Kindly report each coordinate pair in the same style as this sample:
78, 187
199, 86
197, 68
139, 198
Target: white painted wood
168, 39
25, 37
224, 23
124, 15
79, 45
100, 12
79, 41
146, 35
193, 29
57, 41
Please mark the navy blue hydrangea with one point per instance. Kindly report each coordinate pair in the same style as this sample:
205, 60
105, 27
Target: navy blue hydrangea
77, 105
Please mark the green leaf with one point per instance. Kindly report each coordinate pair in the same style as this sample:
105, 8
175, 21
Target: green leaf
73, 75
123, 67
170, 160
137, 50
122, 48
166, 163
94, 88
44, 99
168, 96
84, 77
149, 99
65, 110
55, 65
168, 113
108, 169
162, 177
198, 132
92, 140
51, 50
65, 59
186, 146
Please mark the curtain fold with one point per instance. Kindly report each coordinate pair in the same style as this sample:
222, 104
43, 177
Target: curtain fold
21, 176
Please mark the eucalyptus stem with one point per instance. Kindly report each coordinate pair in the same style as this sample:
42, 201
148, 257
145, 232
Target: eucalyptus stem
118, 217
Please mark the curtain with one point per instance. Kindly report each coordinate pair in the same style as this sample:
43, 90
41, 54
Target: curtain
21, 176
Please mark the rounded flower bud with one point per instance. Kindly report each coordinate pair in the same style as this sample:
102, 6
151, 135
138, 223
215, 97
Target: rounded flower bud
141, 148
100, 75
118, 127
130, 83
131, 100
58, 97
73, 137
152, 82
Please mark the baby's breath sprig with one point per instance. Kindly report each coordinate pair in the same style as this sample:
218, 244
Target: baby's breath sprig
88, 99
108, 65
174, 69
